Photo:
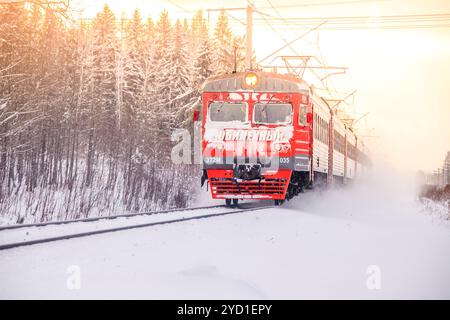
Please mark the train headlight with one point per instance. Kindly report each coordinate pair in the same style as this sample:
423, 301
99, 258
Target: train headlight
251, 79
277, 147
281, 147
218, 146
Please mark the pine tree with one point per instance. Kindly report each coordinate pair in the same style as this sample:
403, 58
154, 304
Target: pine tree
223, 38
133, 51
104, 51
163, 34
86, 112
106, 103
180, 75
202, 67
162, 81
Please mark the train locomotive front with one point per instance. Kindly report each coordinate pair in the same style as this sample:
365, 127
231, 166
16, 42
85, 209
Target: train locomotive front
256, 136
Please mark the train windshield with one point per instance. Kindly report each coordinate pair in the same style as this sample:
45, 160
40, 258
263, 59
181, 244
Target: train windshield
273, 113
227, 111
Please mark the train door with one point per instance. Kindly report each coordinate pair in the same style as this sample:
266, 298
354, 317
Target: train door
302, 141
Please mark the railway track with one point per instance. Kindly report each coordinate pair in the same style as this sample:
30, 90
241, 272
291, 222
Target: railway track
240, 209
128, 215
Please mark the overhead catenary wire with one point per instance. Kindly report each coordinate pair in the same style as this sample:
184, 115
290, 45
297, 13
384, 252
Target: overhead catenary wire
296, 32
321, 60
432, 20
291, 42
315, 4
191, 11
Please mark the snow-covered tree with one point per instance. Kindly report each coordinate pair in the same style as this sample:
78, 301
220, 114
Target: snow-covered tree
223, 39
86, 111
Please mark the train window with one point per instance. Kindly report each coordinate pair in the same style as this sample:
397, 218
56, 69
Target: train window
316, 136
227, 111
351, 151
303, 110
320, 129
324, 136
339, 142
273, 113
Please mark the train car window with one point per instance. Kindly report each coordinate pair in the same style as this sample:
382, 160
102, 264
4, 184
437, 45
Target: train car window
321, 130
227, 111
351, 151
318, 128
315, 126
339, 142
303, 110
273, 113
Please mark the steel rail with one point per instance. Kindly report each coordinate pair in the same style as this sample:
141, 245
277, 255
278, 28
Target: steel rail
143, 225
43, 224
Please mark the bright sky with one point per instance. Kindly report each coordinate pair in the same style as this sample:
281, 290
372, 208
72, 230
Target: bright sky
402, 76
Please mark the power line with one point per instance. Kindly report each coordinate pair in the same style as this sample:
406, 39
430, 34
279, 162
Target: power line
393, 20
322, 4
191, 11
374, 26
358, 21
179, 6
234, 18
296, 39
316, 4
445, 15
295, 31
322, 60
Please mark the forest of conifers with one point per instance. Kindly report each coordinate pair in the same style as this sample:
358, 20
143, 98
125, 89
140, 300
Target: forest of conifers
87, 109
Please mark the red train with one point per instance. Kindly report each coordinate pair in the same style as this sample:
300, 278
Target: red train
268, 136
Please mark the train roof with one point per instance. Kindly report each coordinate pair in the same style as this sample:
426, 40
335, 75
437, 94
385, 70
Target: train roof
268, 82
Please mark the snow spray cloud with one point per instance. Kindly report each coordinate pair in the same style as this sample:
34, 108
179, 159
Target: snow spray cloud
383, 193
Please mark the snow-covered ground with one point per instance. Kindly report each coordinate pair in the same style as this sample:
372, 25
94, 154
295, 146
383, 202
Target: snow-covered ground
369, 241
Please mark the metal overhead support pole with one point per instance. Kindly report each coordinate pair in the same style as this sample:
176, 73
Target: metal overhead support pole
337, 102
291, 42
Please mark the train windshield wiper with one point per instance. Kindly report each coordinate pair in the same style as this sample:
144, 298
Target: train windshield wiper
264, 106
220, 107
